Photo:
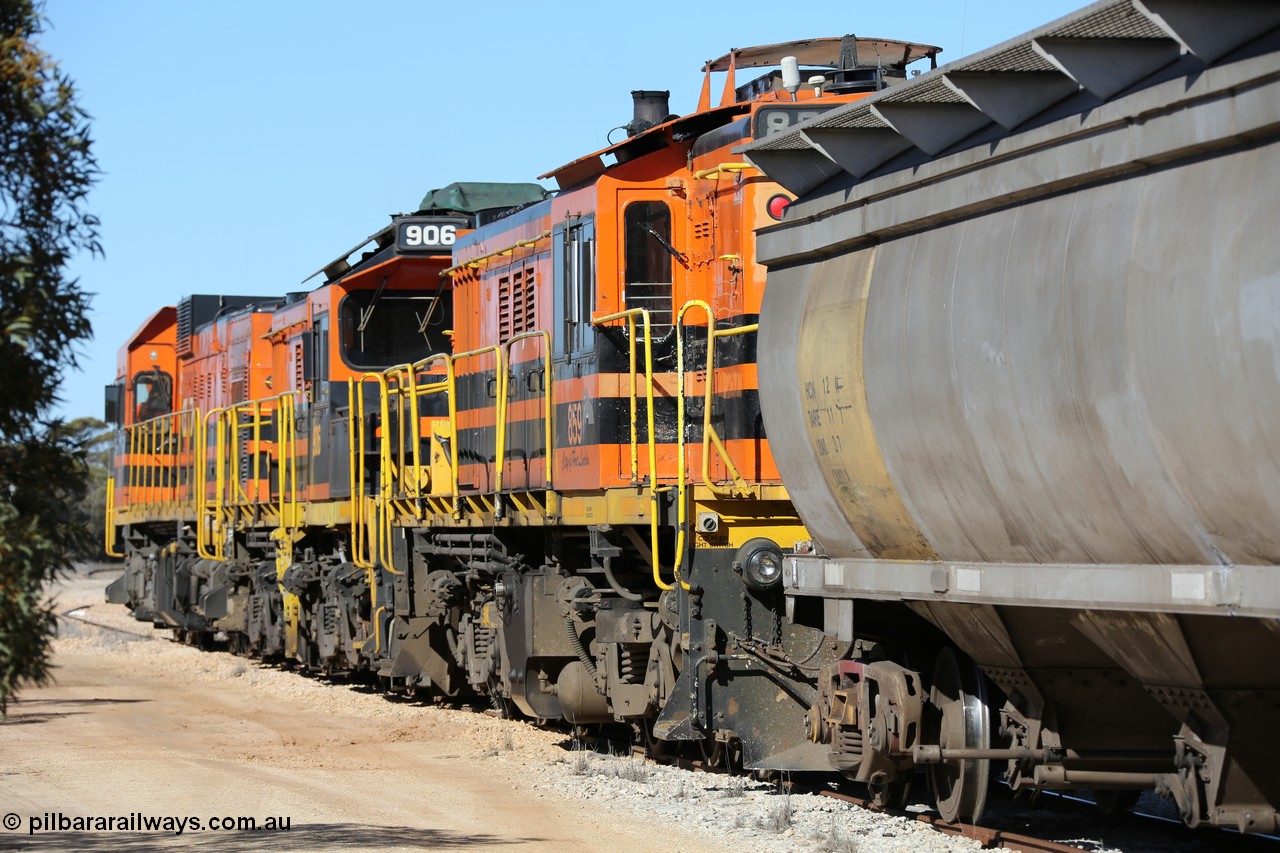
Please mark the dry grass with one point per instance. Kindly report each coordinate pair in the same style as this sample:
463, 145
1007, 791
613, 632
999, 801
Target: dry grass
778, 817
837, 840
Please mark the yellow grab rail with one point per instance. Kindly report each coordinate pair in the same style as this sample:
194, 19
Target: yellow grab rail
500, 416
280, 409
287, 450
109, 533
160, 460
363, 507
209, 524
474, 263
741, 487
723, 168
407, 388
547, 407
630, 316
368, 508
380, 544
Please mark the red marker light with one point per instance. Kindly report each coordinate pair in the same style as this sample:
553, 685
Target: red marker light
776, 205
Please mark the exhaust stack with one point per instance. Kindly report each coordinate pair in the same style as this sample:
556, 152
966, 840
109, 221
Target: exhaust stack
649, 109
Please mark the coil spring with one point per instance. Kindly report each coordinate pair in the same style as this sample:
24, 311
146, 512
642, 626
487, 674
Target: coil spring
483, 642
631, 663
849, 742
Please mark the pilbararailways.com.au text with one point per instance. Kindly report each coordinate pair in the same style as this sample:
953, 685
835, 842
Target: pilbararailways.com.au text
139, 822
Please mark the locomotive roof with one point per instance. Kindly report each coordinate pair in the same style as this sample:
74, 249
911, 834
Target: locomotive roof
812, 53
586, 168
823, 53
468, 197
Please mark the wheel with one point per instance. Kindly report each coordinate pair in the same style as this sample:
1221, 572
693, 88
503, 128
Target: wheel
721, 754
890, 794
1112, 803
713, 751
656, 747
961, 720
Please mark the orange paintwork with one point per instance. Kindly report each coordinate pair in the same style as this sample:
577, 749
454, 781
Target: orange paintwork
501, 283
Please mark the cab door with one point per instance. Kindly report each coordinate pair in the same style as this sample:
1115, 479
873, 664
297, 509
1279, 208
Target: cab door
653, 250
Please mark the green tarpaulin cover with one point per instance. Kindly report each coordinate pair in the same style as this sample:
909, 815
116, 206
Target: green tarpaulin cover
470, 197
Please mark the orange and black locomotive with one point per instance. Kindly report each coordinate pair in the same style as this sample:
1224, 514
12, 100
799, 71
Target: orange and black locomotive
982, 482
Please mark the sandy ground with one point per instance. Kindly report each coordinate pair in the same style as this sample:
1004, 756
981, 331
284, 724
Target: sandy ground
137, 724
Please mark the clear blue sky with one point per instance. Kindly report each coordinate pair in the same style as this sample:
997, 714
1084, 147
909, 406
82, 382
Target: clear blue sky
244, 145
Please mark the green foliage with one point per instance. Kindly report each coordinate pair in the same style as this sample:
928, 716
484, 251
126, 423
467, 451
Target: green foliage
46, 170
97, 440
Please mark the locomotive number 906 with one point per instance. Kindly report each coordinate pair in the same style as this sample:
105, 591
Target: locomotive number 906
420, 235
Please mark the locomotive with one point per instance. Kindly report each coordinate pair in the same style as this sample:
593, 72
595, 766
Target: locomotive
935, 498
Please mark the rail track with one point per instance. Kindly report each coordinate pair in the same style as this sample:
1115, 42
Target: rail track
71, 615
1009, 827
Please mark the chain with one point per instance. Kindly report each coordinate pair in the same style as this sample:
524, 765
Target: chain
746, 613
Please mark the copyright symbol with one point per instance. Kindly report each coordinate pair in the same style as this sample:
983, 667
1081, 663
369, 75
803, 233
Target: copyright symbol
12, 821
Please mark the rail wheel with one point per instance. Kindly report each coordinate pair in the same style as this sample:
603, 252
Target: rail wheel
890, 793
722, 754
655, 746
962, 721
1113, 803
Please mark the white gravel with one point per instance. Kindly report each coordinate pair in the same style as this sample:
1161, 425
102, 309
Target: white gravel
754, 815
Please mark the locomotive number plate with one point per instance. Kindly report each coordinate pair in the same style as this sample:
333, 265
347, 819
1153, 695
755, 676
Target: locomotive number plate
427, 234
771, 120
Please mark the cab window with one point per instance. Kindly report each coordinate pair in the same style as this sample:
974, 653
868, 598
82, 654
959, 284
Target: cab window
649, 251
382, 329
152, 394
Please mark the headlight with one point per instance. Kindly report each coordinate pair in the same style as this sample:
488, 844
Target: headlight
761, 562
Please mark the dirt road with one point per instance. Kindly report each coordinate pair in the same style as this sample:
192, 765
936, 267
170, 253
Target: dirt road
138, 727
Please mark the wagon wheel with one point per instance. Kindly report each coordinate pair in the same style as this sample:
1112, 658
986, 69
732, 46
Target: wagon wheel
1113, 803
961, 721
893, 794
655, 746
725, 755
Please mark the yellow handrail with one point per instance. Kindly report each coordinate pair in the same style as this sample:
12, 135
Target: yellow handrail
355, 454
500, 416
109, 533
741, 487
203, 549
363, 532
723, 168
407, 375
448, 386
380, 544
287, 452
377, 629
548, 385
158, 452
475, 262
222, 471
630, 316
366, 532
